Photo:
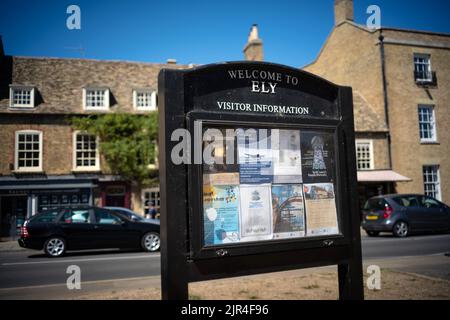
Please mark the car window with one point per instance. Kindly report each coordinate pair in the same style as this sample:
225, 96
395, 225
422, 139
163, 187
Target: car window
407, 201
104, 217
428, 202
47, 216
375, 204
76, 216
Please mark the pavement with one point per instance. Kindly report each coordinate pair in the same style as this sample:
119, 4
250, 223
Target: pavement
8, 246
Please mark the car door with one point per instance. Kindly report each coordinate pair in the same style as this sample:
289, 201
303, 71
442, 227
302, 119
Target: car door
436, 213
112, 231
77, 228
414, 212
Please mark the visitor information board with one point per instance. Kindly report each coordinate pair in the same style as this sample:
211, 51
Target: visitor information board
257, 173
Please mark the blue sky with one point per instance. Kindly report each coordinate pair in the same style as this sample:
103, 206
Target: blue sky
194, 31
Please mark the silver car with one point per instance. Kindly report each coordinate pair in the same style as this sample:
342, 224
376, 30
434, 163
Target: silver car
403, 214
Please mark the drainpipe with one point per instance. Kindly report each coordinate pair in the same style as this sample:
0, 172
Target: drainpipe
385, 96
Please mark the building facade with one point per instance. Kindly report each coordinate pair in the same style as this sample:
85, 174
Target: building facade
44, 161
401, 87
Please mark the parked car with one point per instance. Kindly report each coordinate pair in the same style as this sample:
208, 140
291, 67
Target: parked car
132, 215
403, 214
79, 228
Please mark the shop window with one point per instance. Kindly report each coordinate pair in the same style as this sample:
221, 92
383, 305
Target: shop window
151, 197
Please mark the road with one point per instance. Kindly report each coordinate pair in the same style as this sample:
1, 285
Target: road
27, 268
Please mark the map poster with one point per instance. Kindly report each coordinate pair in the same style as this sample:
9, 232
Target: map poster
287, 164
288, 211
317, 156
220, 214
256, 212
320, 204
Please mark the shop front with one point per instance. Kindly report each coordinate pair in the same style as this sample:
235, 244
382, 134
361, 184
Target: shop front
115, 194
23, 198
376, 183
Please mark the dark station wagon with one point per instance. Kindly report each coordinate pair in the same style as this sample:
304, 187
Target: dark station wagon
404, 214
80, 228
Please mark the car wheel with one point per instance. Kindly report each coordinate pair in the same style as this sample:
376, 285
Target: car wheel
373, 233
151, 242
55, 247
401, 229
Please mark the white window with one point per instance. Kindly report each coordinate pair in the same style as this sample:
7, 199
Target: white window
21, 96
364, 154
28, 155
151, 198
427, 124
422, 68
431, 183
96, 98
144, 99
85, 153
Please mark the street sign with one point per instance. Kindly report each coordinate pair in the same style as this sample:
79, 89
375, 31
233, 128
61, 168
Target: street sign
257, 174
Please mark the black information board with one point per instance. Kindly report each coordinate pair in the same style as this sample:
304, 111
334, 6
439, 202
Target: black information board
257, 174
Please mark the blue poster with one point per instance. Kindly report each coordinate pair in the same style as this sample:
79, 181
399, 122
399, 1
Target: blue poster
220, 214
254, 156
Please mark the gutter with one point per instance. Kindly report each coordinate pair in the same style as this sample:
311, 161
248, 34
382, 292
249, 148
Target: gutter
385, 95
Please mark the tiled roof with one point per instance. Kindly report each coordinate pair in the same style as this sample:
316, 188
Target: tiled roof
59, 82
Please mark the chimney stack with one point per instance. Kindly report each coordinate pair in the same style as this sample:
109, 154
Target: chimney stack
253, 50
343, 11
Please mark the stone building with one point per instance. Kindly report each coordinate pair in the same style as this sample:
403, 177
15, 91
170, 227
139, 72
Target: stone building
44, 162
401, 88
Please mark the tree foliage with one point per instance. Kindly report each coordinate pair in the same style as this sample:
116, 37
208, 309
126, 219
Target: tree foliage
127, 143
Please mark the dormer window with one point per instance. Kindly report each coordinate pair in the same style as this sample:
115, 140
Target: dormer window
21, 96
96, 98
144, 99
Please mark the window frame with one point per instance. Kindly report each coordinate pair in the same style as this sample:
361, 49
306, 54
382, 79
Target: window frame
437, 183
433, 124
75, 167
157, 205
371, 154
428, 71
14, 87
106, 100
16, 151
153, 105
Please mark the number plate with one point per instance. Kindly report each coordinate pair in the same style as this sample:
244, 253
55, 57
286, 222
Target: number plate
372, 218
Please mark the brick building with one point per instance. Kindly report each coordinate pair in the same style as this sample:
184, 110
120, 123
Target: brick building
401, 88
44, 162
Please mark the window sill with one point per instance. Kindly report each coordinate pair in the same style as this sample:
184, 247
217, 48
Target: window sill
430, 142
